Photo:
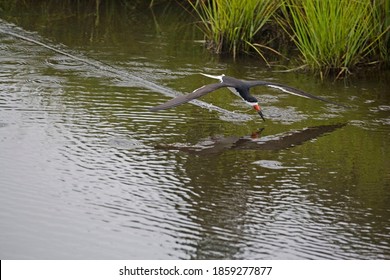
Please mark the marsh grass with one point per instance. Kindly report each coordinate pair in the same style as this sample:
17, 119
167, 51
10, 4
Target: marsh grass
383, 16
334, 36
231, 25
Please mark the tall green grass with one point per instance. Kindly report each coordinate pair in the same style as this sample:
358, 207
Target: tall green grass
383, 16
336, 35
231, 25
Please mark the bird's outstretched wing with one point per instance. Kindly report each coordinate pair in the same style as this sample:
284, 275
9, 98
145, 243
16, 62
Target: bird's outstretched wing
291, 90
186, 98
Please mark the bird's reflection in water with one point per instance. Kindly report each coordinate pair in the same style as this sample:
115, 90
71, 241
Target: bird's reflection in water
218, 144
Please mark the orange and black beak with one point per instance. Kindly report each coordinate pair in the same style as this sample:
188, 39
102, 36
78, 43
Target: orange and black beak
258, 109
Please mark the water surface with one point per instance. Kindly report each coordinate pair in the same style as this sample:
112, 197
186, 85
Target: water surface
87, 172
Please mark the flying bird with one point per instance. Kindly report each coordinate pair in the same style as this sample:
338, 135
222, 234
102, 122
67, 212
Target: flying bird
238, 87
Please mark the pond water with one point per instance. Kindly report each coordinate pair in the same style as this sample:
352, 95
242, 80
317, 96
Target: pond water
87, 172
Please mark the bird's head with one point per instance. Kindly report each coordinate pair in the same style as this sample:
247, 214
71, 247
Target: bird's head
258, 110
252, 101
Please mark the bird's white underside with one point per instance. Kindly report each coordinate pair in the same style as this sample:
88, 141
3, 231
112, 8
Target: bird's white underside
232, 89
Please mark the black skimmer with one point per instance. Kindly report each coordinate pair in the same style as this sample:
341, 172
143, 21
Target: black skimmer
238, 87
218, 144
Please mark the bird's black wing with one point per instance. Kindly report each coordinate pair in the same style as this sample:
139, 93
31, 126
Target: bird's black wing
186, 98
291, 90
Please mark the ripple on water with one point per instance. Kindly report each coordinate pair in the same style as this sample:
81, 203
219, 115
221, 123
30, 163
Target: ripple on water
284, 115
270, 164
124, 143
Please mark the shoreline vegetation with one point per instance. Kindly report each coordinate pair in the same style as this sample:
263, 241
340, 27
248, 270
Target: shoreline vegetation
332, 37
327, 37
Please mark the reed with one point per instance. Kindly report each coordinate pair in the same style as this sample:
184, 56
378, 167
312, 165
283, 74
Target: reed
336, 35
231, 25
383, 16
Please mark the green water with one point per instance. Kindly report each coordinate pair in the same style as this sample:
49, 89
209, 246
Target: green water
88, 172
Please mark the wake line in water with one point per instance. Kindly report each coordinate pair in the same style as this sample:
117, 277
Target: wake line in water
227, 115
